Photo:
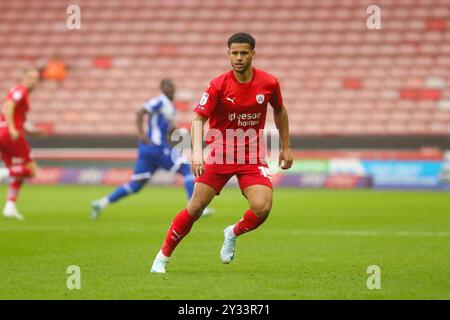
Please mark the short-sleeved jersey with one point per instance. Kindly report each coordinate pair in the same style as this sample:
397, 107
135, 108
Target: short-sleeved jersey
162, 114
18, 94
239, 108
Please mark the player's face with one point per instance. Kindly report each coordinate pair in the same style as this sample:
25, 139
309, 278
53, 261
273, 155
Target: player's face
31, 78
169, 90
241, 56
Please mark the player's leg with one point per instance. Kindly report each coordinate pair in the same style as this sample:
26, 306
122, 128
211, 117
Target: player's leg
144, 169
182, 224
23, 167
16, 182
171, 161
27, 170
188, 180
4, 171
260, 201
206, 187
131, 187
254, 181
17, 171
10, 209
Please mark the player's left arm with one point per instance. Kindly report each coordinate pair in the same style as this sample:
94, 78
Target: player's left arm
8, 110
142, 136
282, 123
32, 131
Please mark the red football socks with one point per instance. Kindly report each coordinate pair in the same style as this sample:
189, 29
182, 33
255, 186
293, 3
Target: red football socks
248, 223
180, 227
13, 189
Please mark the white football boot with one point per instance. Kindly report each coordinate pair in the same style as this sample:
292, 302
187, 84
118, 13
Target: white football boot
10, 211
229, 245
97, 207
160, 263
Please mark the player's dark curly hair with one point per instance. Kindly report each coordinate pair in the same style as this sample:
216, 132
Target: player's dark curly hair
242, 37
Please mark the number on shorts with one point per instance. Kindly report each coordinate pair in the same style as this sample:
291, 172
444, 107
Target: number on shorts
265, 172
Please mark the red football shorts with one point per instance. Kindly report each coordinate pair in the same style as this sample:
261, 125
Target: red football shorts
15, 152
217, 175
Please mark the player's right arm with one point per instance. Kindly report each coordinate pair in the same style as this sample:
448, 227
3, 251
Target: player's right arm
8, 108
150, 107
202, 113
197, 161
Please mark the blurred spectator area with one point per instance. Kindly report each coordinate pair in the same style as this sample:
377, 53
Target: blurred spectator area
338, 77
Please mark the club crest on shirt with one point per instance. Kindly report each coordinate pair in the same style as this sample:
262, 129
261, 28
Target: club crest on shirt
260, 98
17, 95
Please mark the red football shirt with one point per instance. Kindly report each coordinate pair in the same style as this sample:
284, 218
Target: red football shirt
237, 115
18, 94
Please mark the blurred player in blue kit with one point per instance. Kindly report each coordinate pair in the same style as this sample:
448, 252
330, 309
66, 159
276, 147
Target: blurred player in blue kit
154, 151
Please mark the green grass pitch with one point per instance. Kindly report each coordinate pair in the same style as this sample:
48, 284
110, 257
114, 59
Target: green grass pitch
317, 244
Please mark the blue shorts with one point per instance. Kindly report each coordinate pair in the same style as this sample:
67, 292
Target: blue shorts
152, 157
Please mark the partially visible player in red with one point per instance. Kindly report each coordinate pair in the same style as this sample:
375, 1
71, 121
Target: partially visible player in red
14, 148
235, 101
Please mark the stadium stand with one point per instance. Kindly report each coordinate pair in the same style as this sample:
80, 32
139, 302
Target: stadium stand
338, 77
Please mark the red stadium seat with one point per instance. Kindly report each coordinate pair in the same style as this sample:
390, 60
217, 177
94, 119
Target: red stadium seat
330, 66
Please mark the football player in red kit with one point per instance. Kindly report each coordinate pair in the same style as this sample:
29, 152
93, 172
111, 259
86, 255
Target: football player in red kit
14, 148
236, 105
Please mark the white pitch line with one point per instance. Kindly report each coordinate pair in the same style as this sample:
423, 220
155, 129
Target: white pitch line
366, 233
296, 232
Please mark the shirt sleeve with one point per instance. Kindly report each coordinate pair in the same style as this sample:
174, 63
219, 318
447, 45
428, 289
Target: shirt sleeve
208, 102
16, 94
153, 105
276, 100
